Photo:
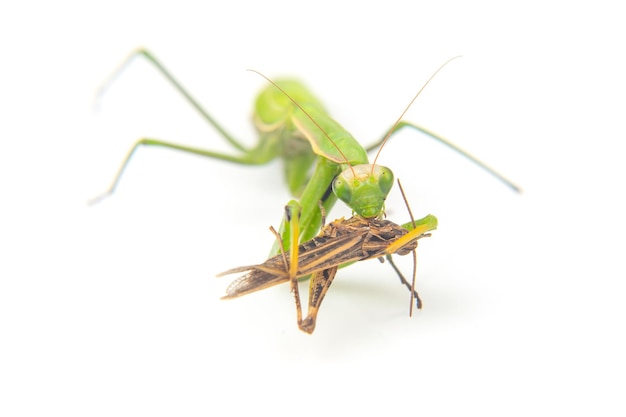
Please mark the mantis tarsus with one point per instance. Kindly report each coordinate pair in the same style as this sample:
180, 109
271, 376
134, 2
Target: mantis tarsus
322, 161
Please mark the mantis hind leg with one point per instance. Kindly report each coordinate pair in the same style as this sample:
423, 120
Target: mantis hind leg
265, 151
175, 83
249, 158
401, 125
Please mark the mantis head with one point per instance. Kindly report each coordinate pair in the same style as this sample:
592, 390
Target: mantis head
364, 188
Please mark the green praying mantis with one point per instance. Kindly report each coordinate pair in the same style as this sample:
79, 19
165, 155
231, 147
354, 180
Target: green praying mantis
322, 161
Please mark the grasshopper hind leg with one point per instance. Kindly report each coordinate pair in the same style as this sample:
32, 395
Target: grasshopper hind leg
405, 282
320, 280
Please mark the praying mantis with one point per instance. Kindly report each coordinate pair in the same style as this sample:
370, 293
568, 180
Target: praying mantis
322, 162
294, 126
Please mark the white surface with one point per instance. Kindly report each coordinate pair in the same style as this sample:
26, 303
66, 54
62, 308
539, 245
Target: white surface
113, 309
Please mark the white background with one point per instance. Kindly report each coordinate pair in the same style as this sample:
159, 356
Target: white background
114, 310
